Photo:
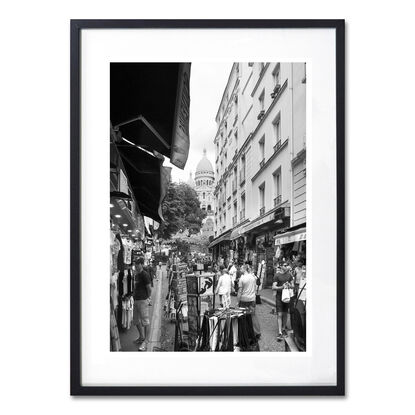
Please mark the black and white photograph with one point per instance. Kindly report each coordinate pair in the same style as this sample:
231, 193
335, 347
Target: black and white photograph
207, 215
184, 179
212, 220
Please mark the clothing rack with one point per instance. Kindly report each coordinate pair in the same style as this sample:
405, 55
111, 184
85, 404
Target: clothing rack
227, 330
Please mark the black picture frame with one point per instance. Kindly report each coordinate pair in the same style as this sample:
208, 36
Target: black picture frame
76, 387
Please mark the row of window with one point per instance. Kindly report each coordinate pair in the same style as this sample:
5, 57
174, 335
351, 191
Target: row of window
204, 196
277, 191
204, 182
221, 221
277, 138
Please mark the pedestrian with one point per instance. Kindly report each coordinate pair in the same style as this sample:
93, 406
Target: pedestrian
238, 275
282, 279
232, 273
246, 296
141, 316
298, 274
224, 288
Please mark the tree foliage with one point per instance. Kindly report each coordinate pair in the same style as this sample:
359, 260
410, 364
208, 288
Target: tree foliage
181, 211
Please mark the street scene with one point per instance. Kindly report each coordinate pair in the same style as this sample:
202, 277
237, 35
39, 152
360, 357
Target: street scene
208, 207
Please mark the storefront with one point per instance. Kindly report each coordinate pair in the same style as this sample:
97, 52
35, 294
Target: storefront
260, 247
238, 244
149, 118
220, 247
292, 243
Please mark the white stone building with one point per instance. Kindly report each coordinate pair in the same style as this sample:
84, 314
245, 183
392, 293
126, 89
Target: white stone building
260, 159
204, 185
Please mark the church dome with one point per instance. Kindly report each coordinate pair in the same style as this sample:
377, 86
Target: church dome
204, 166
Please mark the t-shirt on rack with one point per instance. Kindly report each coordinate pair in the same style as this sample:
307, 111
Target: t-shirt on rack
227, 330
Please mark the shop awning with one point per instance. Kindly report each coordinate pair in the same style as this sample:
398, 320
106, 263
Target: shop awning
289, 237
149, 105
237, 232
147, 177
221, 238
261, 221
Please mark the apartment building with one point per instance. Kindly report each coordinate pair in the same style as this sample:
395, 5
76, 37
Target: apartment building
260, 160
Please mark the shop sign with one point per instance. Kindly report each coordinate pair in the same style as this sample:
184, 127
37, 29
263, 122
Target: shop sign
293, 237
180, 139
182, 287
206, 284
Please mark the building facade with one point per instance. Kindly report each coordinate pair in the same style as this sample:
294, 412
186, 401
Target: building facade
260, 161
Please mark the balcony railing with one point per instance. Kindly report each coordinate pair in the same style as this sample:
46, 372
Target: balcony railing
234, 221
262, 211
277, 200
261, 163
274, 93
278, 145
242, 215
261, 114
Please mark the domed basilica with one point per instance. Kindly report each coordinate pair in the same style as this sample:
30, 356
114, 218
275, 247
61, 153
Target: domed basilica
204, 185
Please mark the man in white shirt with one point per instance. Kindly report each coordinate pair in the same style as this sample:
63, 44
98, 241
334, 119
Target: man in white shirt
246, 296
224, 288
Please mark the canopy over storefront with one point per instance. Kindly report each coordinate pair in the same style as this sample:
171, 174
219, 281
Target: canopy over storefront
221, 238
291, 236
149, 106
238, 232
147, 177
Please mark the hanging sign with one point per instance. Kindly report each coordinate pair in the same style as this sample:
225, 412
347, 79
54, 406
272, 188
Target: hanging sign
182, 287
180, 138
206, 284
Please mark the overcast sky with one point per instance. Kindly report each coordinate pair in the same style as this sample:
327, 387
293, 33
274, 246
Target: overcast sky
207, 83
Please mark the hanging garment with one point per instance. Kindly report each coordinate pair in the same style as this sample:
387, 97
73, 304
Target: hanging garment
120, 258
235, 333
115, 344
213, 329
130, 282
125, 289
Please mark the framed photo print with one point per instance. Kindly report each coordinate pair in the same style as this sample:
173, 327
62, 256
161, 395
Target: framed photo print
207, 207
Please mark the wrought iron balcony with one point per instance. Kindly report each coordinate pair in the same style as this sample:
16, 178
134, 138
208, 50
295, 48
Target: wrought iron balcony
274, 93
278, 145
277, 200
261, 114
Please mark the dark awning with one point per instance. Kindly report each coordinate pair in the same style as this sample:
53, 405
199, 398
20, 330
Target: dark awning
147, 177
159, 94
221, 238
